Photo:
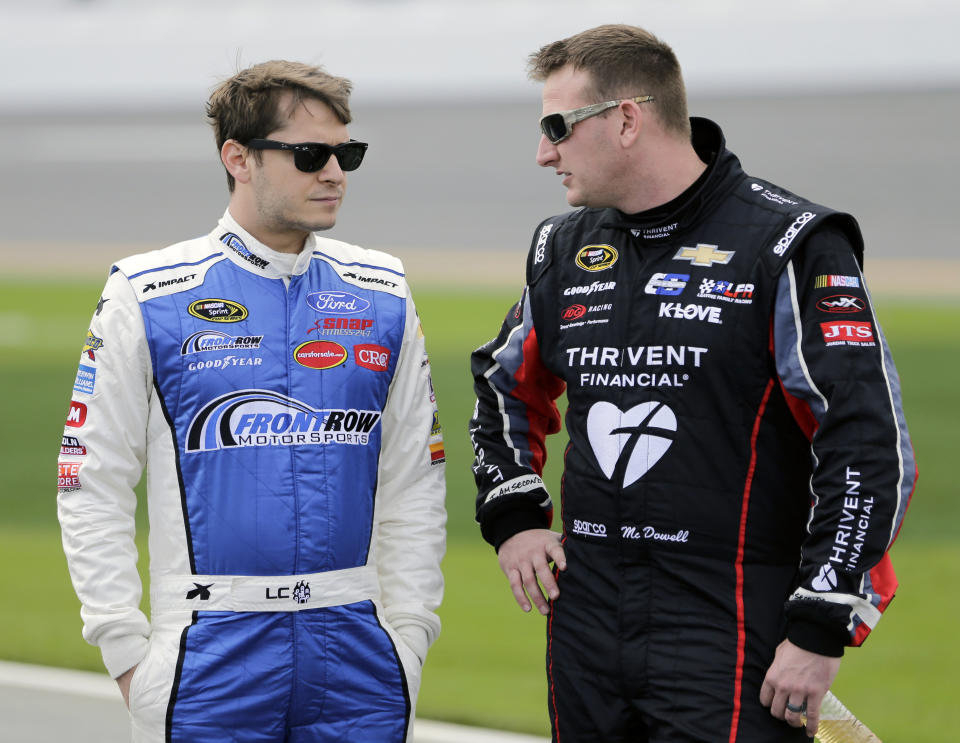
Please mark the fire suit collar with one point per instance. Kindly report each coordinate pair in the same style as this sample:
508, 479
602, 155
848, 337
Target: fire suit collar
249, 253
687, 210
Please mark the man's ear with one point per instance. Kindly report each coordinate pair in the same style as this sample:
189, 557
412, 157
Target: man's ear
633, 120
236, 159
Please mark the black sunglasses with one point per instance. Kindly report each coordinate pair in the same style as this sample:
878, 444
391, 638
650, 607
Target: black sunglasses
557, 127
312, 156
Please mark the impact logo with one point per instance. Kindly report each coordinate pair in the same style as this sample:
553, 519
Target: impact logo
91, 345
263, 418
320, 354
848, 333
573, 312
337, 303
704, 255
77, 415
597, 257
841, 303
627, 444
369, 279
218, 310
371, 356
154, 285
667, 284
234, 242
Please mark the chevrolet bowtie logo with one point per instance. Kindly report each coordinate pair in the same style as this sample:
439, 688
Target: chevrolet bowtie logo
202, 591
704, 255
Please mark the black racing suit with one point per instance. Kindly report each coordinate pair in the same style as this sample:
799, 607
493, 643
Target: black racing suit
738, 463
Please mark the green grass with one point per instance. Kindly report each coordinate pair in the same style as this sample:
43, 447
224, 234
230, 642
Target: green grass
487, 666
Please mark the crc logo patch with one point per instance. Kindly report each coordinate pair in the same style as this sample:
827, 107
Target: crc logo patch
337, 303
667, 284
320, 354
597, 257
77, 415
372, 356
573, 312
628, 444
841, 303
264, 418
848, 333
218, 310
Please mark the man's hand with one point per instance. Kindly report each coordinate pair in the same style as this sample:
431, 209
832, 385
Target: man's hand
795, 684
524, 558
123, 681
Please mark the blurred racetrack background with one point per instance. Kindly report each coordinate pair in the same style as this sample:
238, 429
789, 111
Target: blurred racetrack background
106, 153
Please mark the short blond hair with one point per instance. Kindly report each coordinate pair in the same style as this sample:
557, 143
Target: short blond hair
247, 105
622, 61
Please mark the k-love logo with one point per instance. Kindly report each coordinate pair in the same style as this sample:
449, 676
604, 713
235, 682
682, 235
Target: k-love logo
629, 443
597, 257
264, 418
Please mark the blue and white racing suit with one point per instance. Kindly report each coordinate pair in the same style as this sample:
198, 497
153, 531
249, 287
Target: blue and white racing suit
295, 492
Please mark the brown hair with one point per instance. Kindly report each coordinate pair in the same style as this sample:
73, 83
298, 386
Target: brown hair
622, 61
246, 106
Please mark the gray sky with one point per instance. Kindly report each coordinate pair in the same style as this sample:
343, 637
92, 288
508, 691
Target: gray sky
135, 53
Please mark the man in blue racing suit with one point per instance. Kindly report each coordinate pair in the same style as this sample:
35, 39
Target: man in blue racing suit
276, 387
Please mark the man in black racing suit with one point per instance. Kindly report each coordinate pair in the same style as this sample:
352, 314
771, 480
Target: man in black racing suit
738, 463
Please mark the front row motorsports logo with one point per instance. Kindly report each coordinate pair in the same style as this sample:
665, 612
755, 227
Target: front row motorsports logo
265, 418
629, 443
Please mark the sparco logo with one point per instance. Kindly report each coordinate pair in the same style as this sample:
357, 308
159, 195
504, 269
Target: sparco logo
792, 231
596, 286
265, 418
169, 282
214, 340
589, 529
369, 279
542, 243
218, 310
627, 444
339, 303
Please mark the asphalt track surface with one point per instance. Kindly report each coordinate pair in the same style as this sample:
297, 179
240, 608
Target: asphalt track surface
40, 704
458, 179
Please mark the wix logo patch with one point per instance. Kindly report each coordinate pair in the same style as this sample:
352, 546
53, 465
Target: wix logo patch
630, 442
